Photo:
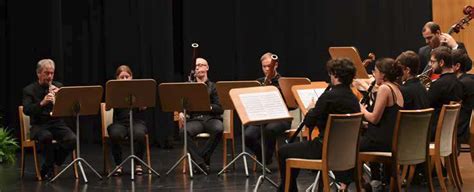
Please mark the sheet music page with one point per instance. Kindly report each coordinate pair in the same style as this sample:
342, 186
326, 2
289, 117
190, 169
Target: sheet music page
307, 95
262, 106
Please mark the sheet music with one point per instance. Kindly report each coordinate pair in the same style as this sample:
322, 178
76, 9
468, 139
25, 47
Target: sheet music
307, 95
263, 106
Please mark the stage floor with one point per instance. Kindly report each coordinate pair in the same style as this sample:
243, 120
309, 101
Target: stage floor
162, 160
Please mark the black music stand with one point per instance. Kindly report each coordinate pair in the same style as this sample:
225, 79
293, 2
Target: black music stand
184, 97
76, 101
223, 88
131, 94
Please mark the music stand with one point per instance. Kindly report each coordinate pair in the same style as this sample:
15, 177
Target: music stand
353, 54
223, 88
184, 97
131, 94
75, 101
258, 106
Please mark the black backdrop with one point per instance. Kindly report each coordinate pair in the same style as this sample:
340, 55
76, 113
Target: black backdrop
88, 39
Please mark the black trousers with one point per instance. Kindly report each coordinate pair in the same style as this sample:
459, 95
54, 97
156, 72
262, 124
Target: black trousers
54, 153
214, 127
272, 131
119, 132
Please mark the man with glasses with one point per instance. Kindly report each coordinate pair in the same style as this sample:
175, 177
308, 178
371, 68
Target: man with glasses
447, 88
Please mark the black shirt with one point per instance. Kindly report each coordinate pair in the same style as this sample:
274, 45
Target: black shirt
444, 90
415, 95
216, 108
467, 80
339, 99
33, 94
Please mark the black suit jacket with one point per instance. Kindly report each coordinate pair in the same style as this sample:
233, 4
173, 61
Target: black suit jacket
425, 54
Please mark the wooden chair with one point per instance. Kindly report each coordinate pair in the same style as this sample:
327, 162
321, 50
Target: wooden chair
340, 146
228, 134
107, 117
444, 145
410, 144
27, 142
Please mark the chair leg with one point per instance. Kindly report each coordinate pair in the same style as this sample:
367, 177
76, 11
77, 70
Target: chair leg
22, 163
452, 172
439, 172
148, 156
74, 156
224, 152
358, 175
105, 151
428, 169
326, 186
287, 177
397, 178
37, 170
410, 175
455, 161
233, 152
404, 171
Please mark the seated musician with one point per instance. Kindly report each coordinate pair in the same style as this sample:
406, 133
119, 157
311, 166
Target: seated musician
414, 93
461, 60
445, 89
271, 130
381, 119
434, 38
204, 122
339, 99
38, 101
120, 128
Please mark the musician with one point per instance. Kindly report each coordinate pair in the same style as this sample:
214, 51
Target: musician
460, 61
381, 119
208, 122
271, 130
38, 101
120, 128
434, 38
447, 88
339, 99
414, 93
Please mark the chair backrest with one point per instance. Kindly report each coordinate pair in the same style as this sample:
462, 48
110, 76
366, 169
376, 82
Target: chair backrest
107, 118
296, 114
341, 141
228, 120
410, 136
24, 124
445, 129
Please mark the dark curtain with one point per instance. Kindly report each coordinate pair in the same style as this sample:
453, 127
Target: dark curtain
88, 39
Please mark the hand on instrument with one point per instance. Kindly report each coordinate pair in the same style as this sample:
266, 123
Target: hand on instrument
49, 98
449, 40
181, 120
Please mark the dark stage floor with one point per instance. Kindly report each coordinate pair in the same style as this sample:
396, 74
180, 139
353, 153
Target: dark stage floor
162, 160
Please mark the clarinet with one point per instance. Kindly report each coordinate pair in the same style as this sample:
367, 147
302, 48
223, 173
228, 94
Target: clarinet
301, 125
368, 95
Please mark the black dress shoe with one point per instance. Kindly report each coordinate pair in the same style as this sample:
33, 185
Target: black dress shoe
46, 173
204, 167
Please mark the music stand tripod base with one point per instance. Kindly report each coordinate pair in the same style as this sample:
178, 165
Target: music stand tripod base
243, 154
78, 159
263, 177
132, 156
186, 154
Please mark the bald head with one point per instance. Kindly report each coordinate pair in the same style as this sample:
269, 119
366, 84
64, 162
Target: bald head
201, 69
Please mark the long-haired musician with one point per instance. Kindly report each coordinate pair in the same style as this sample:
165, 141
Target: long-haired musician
388, 102
38, 101
119, 129
339, 99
